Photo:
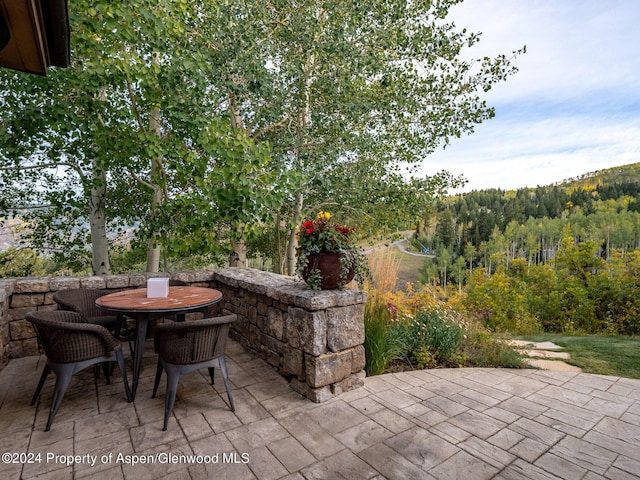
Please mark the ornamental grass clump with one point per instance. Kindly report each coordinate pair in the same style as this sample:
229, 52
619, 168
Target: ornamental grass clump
381, 347
324, 235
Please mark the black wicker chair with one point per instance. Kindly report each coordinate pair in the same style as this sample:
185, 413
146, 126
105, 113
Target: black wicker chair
187, 346
83, 300
71, 345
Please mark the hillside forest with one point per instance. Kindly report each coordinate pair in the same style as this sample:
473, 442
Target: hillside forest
561, 258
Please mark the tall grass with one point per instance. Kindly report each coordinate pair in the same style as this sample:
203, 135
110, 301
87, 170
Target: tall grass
384, 274
485, 349
380, 347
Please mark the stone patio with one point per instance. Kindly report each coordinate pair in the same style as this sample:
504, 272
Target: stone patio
431, 424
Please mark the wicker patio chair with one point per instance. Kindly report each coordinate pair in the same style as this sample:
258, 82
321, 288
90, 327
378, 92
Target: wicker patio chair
187, 346
71, 345
83, 300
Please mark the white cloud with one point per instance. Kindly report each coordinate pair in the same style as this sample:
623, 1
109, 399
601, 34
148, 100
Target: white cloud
574, 106
570, 44
510, 154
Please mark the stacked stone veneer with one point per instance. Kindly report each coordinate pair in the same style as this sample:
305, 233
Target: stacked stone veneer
314, 339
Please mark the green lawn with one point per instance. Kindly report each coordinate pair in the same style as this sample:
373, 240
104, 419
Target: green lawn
605, 355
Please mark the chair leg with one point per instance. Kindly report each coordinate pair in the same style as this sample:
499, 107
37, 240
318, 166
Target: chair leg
45, 373
63, 377
157, 380
123, 372
118, 327
211, 374
173, 376
225, 377
132, 347
105, 369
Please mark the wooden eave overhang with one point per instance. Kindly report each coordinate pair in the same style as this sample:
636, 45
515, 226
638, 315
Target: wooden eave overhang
34, 35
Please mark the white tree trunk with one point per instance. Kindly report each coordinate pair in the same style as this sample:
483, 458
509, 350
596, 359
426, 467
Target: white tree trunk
278, 260
153, 249
238, 255
99, 244
293, 241
304, 122
97, 219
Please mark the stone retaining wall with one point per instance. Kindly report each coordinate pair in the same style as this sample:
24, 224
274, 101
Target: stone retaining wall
314, 339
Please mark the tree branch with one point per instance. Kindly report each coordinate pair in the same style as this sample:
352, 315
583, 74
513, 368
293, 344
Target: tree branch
273, 126
134, 105
44, 165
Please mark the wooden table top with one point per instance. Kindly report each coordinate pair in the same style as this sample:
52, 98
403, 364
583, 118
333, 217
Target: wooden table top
179, 299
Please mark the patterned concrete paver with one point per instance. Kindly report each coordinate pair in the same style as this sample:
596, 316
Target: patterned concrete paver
433, 424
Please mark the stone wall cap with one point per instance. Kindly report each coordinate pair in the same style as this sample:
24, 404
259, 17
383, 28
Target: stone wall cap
31, 284
64, 283
254, 280
288, 289
6, 290
6, 287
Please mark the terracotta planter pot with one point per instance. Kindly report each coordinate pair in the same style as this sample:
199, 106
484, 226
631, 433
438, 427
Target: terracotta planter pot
330, 267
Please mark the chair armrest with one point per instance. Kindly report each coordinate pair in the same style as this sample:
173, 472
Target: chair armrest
96, 331
193, 341
196, 324
66, 339
81, 300
80, 341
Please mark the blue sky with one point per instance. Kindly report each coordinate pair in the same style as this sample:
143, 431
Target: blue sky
574, 105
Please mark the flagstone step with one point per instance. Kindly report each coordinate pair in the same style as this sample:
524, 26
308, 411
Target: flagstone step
552, 365
536, 345
537, 353
545, 356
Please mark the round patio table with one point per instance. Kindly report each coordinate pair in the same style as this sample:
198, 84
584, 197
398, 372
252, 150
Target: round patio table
135, 304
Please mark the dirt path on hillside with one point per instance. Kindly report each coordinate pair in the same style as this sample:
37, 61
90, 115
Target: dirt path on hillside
401, 245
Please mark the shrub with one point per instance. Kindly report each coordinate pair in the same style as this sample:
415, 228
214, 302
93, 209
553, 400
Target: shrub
431, 337
484, 349
20, 262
